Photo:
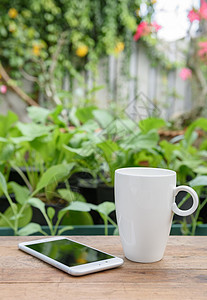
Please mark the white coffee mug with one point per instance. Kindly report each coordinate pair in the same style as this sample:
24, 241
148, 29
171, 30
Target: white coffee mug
145, 202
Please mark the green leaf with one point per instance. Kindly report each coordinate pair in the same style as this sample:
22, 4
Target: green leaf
55, 115
85, 151
103, 117
66, 194
21, 139
53, 175
32, 130
77, 218
151, 123
78, 206
31, 228
6, 123
199, 123
65, 228
3, 140
90, 127
141, 141
199, 181
201, 170
3, 184
7, 152
108, 147
38, 114
70, 196
50, 212
21, 192
23, 219
120, 128
84, 114
106, 207
73, 118
168, 150
36, 202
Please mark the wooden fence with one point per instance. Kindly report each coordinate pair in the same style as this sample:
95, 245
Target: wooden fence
143, 92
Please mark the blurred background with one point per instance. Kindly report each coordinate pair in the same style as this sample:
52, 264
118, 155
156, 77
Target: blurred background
87, 87
107, 53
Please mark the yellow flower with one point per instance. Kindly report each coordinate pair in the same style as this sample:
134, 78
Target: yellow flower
119, 47
82, 51
12, 13
36, 50
153, 1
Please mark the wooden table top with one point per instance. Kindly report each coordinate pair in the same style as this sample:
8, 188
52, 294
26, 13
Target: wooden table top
181, 274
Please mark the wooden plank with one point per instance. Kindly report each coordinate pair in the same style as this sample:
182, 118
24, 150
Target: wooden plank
76, 289
182, 274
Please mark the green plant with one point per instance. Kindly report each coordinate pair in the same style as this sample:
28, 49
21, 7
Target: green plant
34, 147
199, 183
19, 214
44, 41
105, 142
103, 209
7, 149
188, 155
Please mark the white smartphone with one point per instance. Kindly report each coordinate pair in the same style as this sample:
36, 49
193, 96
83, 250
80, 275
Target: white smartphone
70, 256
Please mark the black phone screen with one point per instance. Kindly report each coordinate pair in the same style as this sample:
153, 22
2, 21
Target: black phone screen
68, 252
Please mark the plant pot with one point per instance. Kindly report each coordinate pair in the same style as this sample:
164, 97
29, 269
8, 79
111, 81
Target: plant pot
4, 204
76, 230
187, 205
203, 212
100, 230
37, 216
96, 193
201, 229
14, 176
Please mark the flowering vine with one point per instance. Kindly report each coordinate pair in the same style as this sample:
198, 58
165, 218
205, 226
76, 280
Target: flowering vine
145, 28
196, 58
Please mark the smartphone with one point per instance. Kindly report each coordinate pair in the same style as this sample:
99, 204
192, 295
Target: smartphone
71, 256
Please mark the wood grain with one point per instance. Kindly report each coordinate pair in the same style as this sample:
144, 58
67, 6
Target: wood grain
181, 274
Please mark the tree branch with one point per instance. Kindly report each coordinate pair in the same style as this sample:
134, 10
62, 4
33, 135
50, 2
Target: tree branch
15, 88
60, 44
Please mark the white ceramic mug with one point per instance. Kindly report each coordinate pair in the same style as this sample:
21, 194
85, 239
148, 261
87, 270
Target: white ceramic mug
145, 202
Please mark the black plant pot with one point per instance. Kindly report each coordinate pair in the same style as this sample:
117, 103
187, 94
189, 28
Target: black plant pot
37, 216
96, 193
203, 212
4, 203
14, 176
187, 205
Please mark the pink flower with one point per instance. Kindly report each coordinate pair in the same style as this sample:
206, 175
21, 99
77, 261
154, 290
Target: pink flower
203, 10
193, 15
156, 26
185, 73
202, 52
142, 29
3, 89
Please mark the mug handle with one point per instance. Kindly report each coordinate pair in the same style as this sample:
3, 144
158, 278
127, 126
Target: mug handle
194, 195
